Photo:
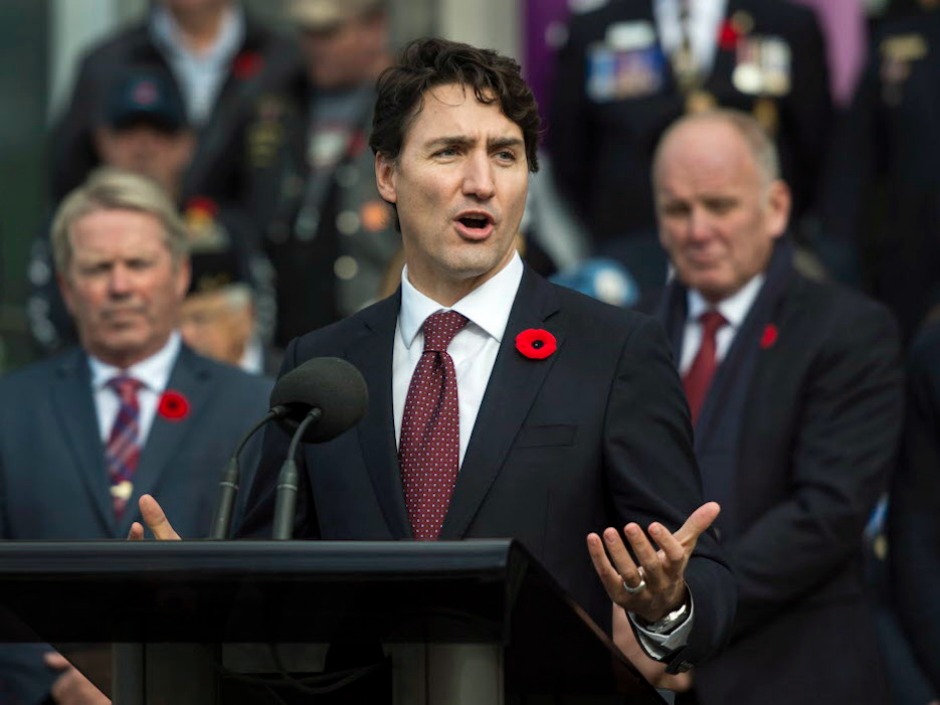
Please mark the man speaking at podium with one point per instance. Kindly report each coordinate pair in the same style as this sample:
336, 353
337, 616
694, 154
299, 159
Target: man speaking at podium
501, 405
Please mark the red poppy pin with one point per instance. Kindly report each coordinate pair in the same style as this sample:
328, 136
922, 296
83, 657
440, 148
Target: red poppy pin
536, 344
202, 205
247, 65
769, 336
173, 406
728, 36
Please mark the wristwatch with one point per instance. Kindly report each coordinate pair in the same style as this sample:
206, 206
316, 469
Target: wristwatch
667, 624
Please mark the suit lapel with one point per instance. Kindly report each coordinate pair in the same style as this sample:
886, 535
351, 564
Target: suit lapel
372, 355
729, 372
513, 385
167, 439
74, 407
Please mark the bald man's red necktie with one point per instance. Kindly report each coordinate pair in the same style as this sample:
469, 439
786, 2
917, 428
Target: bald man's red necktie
429, 447
122, 452
699, 377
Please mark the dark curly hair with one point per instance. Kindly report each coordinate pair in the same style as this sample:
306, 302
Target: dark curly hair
431, 62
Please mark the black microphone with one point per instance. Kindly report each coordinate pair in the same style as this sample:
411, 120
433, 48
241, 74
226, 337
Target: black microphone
228, 485
293, 396
327, 397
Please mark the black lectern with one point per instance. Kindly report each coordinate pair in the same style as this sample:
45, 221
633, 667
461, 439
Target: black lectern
460, 622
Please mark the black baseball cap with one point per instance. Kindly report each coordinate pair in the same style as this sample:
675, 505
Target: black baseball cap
143, 95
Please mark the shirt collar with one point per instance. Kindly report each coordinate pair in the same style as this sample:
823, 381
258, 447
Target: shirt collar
166, 32
734, 308
154, 372
488, 306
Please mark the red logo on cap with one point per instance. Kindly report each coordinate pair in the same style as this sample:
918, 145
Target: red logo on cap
145, 93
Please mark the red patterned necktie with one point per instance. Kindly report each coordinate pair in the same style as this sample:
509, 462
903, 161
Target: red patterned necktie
429, 447
122, 451
699, 377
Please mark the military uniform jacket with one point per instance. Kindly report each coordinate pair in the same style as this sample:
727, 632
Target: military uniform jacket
331, 241
883, 195
610, 107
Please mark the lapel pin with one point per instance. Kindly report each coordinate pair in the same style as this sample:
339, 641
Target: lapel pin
173, 406
769, 336
536, 344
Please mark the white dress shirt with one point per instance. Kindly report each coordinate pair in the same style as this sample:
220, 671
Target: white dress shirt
202, 74
153, 373
473, 349
735, 309
705, 18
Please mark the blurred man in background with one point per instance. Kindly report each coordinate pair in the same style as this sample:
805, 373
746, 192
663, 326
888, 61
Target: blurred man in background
218, 57
218, 318
795, 390
142, 127
131, 411
329, 235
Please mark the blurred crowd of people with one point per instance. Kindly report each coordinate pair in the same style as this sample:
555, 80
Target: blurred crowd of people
785, 232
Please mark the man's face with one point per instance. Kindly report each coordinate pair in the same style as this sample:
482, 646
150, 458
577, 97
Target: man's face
718, 218
459, 185
344, 56
122, 286
215, 327
146, 150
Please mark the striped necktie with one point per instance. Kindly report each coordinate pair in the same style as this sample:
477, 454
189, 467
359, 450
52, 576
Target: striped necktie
122, 452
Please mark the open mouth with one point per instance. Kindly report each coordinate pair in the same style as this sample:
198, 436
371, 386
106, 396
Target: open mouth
476, 225
475, 222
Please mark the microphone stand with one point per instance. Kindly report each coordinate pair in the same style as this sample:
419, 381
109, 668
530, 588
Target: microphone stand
228, 485
286, 502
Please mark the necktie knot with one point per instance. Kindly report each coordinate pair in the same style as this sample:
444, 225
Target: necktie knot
712, 322
125, 387
440, 329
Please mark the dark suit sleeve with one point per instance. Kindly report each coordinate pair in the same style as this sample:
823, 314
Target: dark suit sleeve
845, 442
914, 518
654, 477
258, 520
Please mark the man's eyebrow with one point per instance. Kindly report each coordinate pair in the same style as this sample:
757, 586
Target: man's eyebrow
503, 142
465, 140
450, 141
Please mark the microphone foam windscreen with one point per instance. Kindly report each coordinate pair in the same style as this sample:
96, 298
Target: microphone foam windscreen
330, 384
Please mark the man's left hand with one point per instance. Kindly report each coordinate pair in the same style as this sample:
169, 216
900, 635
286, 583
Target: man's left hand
661, 572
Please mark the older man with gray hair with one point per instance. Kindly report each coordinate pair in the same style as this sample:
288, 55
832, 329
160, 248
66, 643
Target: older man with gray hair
130, 411
795, 392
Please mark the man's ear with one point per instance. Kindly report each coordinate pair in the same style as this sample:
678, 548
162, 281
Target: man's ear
779, 201
385, 178
183, 274
103, 139
65, 288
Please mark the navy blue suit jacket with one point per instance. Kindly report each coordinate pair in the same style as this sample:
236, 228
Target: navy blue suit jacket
53, 482
595, 435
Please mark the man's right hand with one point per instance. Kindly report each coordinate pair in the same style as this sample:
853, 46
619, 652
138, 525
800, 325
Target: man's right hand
152, 514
